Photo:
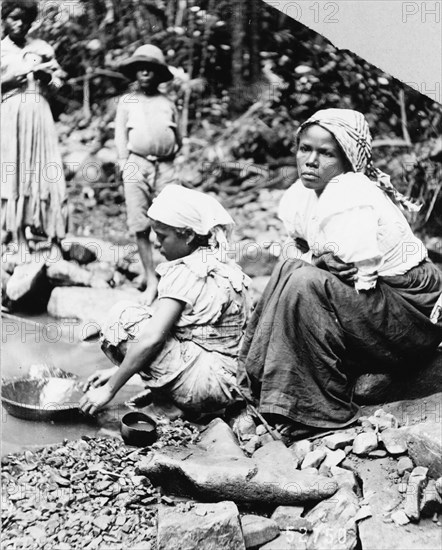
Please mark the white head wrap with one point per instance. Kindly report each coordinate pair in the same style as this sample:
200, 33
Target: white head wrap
351, 131
180, 207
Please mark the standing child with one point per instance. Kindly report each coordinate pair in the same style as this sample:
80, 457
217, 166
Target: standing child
147, 138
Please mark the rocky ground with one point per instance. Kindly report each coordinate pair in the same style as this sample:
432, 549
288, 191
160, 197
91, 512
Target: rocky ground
375, 486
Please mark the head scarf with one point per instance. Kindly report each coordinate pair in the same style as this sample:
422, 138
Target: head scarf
351, 131
180, 207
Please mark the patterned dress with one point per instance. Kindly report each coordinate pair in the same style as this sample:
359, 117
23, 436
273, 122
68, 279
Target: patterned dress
197, 364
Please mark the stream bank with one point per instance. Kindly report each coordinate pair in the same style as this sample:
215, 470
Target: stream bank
95, 493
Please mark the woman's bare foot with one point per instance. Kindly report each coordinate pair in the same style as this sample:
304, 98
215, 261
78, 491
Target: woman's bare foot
158, 411
244, 424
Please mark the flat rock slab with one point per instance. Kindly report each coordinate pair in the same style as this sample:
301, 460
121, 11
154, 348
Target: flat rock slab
424, 443
286, 517
258, 530
203, 526
89, 305
191, 472
64, 273
275, 455
218, 439
333, 521
287, 540
379, 532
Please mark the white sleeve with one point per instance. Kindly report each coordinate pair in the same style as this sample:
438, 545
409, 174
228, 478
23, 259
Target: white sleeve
287, 212
352, 236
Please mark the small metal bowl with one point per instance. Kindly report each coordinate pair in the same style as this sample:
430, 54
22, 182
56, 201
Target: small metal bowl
138, 429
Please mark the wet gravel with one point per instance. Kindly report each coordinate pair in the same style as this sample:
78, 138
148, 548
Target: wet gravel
84, 494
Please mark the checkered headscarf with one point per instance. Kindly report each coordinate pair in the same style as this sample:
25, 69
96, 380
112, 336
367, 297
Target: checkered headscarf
351, 131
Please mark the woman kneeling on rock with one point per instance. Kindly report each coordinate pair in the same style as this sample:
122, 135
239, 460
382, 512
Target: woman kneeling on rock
186, 348
365, 295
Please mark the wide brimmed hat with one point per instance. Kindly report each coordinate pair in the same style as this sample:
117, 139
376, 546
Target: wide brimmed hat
146, 54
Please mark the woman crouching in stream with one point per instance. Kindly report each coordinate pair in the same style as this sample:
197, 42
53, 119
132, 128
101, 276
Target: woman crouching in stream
185, 347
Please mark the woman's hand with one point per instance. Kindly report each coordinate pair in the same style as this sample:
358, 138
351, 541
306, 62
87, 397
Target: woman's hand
14, 80
95, 399
99, 378
302, 245
327, 261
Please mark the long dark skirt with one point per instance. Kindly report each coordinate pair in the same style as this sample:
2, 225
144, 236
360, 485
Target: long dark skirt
310, 329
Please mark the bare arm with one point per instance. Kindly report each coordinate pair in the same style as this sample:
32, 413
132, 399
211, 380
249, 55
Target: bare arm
13, 78
140, 353
178, 137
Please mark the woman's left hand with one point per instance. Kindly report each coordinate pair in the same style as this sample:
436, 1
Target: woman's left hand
95, 399
346, 272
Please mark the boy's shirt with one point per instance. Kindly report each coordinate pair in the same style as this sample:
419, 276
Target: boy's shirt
145, 125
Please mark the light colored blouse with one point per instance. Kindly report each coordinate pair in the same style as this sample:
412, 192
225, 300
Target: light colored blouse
145, 125
356, 221
36, 54
215, 297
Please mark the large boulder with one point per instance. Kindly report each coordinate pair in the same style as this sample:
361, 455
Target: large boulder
411, 383
64, 273
424, 443
334, 523
204, 526
199, 474
372, 388
28, 288
89, 305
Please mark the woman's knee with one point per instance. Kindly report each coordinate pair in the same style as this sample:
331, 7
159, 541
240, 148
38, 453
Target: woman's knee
308, 279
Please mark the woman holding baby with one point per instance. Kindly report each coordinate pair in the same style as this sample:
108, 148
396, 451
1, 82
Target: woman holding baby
33, 187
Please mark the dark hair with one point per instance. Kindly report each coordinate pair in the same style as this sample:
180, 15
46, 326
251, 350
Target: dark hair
197, 241
28, 7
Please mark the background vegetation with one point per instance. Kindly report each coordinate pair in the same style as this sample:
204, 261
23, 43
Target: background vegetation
245, 77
